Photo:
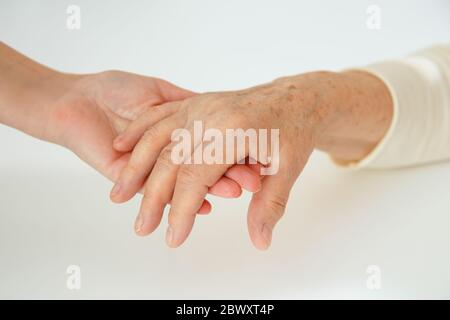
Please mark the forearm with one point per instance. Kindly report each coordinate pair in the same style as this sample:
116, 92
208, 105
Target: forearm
352, 111
361, 113
27, 90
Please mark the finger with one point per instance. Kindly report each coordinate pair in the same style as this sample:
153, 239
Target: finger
239, 176
226, 188
256, 167
160, 185
157, 192
117, 166
127, 140
143, 158
267, 207
171, 92
205, 208
247, 178
192, 184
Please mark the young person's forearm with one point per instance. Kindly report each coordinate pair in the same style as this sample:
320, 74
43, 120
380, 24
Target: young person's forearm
27, 90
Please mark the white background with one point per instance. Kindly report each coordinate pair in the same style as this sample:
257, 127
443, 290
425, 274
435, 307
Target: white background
55, 211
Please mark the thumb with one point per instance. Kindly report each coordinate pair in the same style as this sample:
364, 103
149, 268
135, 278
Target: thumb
171, 92
267, 207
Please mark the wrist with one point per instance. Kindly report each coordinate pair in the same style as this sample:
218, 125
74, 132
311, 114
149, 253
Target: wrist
349, 112
317, 99
28, 93
47, 96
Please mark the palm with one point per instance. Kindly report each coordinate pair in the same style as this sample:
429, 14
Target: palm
101, 106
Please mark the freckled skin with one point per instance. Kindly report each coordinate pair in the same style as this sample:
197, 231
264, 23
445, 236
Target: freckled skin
344, 114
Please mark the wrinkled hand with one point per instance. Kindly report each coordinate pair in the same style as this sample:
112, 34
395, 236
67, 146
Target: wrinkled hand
96, 108
288, 105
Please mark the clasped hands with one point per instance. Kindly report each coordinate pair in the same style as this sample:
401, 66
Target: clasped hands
184, 185
126, 127
122, 125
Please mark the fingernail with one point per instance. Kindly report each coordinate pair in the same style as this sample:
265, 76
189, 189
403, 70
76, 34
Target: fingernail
138, 224
169, 236
115, 190
266, 232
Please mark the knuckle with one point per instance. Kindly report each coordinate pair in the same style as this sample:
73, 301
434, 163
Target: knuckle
151, 134
150, 198
165, 158
131, 170
186, 175
276, 205
172, 219
177, 216
146, 201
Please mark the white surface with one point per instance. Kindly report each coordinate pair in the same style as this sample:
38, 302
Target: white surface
55, 212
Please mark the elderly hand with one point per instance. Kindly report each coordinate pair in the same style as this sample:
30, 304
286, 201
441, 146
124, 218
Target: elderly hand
98, 107
319, 109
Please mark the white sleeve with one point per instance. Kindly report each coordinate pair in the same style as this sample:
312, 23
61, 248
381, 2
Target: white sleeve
420, 130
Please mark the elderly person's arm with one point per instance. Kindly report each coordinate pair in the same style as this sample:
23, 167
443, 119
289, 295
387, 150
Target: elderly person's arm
345, 114
419, 132
386, 115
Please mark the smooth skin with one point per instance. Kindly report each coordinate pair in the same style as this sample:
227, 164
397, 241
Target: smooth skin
345, 114
85, 113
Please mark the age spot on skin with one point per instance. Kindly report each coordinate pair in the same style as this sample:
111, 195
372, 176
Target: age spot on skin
277, 112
